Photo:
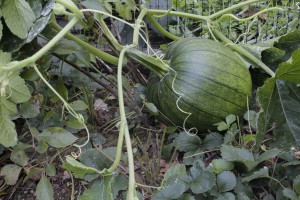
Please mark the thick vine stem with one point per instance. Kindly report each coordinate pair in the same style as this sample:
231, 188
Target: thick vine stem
31, 60
93, 50
232, 8
125, 131
161, 29
242, 51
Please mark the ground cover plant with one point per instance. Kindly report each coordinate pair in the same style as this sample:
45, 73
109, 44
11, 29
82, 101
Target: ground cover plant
82, 117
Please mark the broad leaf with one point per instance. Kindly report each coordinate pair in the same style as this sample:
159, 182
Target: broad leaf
226, 181
94, 4
177, 170
212, 141
289, 43
186, 142
239, 155
290, 70
264, 95
11, 173
285, 114
97, 158
19, 157
50, 170
18, 16
267, 155
30, 109
98, 190
78, 105
57, 137
200, 181
18, 90
262, 173
220, 165
8, 134
4, 57
80, 170
289, 193
44, 189
171, 191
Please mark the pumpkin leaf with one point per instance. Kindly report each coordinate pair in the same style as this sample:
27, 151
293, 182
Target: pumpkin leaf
57, 137
44, 189
98, 159
19, 92
19, 17
289, 193
288, 43
11, 173
29, 109
8, 134
80, 170
98, 190
226, 181
290, 70
286, 109
264, 95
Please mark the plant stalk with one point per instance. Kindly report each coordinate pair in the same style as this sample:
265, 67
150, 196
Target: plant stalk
93, 50
161, 29
232, 8
31, 60
242, 51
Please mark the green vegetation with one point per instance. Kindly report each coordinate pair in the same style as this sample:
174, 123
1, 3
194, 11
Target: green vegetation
75, 105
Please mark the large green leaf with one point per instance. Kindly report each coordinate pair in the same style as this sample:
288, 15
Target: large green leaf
80, 170
262, 173
99, 189
98, 159
264, 95
19, 17
289, 43
199, 180
5, 57
186, 142
239, 155
57, 137
18, 90
290, 70
280, 102
44, 189
171, 191
8, 134
226, 181
11, 173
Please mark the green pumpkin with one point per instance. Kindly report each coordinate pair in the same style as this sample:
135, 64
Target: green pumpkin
205, 83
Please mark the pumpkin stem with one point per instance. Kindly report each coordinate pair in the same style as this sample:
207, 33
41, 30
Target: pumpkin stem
157, 66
